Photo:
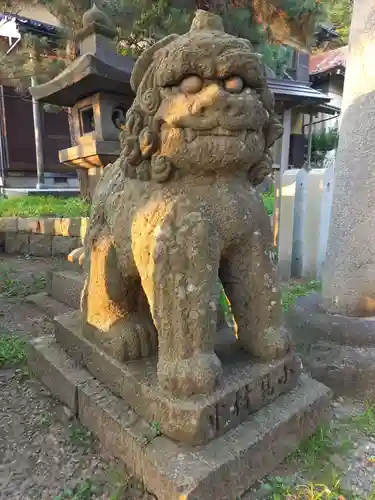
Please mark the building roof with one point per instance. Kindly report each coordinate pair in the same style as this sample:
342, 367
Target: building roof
85, 76
29, 25
296, 92
328, 61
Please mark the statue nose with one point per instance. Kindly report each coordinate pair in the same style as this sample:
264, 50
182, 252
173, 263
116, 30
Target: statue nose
215, 99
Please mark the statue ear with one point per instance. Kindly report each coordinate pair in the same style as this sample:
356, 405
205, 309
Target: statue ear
144, 61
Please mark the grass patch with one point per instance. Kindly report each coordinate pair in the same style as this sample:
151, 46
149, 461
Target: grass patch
12, 350
313, 453
291, 291
85, 490
12, 286
43, 206
269, 201
365, 421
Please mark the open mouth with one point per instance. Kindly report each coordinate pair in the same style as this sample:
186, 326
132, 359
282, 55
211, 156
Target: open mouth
192, 134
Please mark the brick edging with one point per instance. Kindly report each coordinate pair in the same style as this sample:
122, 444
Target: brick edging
42, 236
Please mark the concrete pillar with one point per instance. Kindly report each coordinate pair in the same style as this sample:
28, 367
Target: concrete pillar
288, 194
299, 222
349, 271
284, 163
312, 222
325, 219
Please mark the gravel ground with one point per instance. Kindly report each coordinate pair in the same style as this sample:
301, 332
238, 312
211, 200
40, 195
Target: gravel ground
45, 455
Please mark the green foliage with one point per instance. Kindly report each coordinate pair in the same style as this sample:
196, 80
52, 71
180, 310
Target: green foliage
12, 350
324, 442
322, 142
339, 13
280, 488
40, 206
13, 287
85, 490
276, 57
295, 9
155, 429
292, 291
269, 201
139, 23
80, 437
365, 421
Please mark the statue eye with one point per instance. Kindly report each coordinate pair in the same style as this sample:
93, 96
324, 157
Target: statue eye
234, 85
191, 84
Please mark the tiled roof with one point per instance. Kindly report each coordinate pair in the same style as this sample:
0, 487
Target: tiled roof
327, 61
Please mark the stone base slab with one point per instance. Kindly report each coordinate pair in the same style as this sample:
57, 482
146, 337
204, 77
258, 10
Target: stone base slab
246, 387
223, 469
337, 350
66, 287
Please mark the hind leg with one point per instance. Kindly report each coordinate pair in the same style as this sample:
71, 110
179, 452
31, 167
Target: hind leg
115, 313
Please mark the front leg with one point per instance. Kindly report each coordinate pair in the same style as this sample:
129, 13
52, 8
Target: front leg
178, 265
249, 278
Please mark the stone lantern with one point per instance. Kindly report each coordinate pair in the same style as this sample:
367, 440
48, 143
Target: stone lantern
97, 88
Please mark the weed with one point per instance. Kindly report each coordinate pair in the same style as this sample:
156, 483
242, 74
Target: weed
85, 490
46, 420
81, 437
279, 488
14, 287
325, 441
12, 350
365, 421
156, 429
291, 291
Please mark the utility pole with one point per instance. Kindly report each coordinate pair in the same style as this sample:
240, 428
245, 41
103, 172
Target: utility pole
38, 133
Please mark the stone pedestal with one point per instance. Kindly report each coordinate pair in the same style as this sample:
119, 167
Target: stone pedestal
349, 273
205, 447
337, 350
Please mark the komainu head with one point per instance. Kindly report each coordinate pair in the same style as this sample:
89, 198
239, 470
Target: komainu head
202, 105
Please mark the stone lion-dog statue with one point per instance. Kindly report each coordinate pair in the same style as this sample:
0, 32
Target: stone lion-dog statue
178, 210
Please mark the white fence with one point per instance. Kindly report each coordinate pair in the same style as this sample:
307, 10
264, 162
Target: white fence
305, 210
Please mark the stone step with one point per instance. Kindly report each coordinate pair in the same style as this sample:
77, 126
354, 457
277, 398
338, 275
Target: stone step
66, 287
223, 469
49, 306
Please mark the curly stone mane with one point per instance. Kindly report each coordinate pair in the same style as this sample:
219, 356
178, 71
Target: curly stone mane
140, 137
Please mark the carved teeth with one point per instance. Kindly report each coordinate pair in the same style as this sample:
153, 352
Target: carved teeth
190, 134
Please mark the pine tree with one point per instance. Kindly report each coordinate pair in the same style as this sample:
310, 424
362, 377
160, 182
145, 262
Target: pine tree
339, 13
140, 23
